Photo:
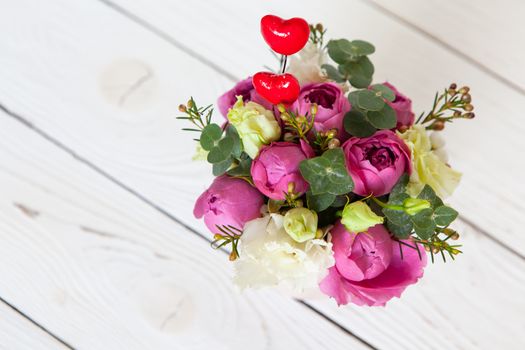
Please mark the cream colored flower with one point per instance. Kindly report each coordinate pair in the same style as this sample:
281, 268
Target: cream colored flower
255, 124
270, 257
306, 65
429, 167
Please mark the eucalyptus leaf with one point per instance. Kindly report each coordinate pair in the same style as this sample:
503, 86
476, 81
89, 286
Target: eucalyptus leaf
231, 131
327, 173
361, 48
210, 136
221, 151
443, 215
221, 167
339, 50
319, 202
356, 123
368, 100
383, 91
384, 119
242, 169
359, 72
333, 73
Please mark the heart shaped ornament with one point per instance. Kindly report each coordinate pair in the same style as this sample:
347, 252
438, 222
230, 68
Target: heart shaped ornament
285, 36
277, 88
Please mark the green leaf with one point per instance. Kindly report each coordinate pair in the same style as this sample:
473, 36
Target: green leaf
220, 168
339, 201
361, 48
400, 187
367, 99
333, 73
384, 119
243, 169
327, 173
383, 91
319, 202
339, 50
356, 123
400, 231
210, 136
428, 193
397, 217
359, 72
237, 145
221, 151
443, 215
424, 224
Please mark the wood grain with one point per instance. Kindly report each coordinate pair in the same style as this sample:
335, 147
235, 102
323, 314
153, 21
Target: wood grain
485, 33
16, 332
103, 270
108, 90
141, 144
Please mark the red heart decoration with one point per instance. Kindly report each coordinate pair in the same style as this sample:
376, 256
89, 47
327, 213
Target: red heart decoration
277, 88
285, 36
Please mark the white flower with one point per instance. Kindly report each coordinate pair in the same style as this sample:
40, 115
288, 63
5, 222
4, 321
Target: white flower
270, 257
306, 65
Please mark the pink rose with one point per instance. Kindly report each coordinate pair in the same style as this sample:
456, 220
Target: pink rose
228, 201
377, 162
277, 165
369, 269
332, 105
245, 89
402, 105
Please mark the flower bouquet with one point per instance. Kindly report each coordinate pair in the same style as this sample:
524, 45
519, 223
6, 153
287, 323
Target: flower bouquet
325, 182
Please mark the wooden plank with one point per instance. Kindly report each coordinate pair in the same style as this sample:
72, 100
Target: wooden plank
131, 142
412, 62
103, 270
17, 332
80, 93
486, 33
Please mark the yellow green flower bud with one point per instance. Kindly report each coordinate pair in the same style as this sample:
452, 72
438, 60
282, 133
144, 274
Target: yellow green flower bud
300, 224
412, 206
358, 217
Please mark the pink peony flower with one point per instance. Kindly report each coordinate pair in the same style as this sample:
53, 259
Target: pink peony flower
369, 269
332, 105
228, 201
277, 165
402, 105
377, 162
245, 89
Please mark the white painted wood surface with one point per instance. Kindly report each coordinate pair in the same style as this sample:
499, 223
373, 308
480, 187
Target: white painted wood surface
100, 268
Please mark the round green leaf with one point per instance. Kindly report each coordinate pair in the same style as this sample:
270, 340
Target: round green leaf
210, 135
383, 119
368, 100
361, 48
333, 73
356, 124
222, 151
383, 91
220, 168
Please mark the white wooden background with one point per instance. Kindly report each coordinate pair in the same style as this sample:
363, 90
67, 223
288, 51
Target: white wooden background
98, 247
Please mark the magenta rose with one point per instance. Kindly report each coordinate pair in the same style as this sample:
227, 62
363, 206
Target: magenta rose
332, 105
245, 89
277, 165
228, 201
377, 162
402, 105
369, 269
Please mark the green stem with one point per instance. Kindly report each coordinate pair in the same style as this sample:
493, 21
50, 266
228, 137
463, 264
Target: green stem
387, 206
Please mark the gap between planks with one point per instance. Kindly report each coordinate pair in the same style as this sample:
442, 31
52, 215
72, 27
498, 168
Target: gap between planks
172, 41
150, 203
